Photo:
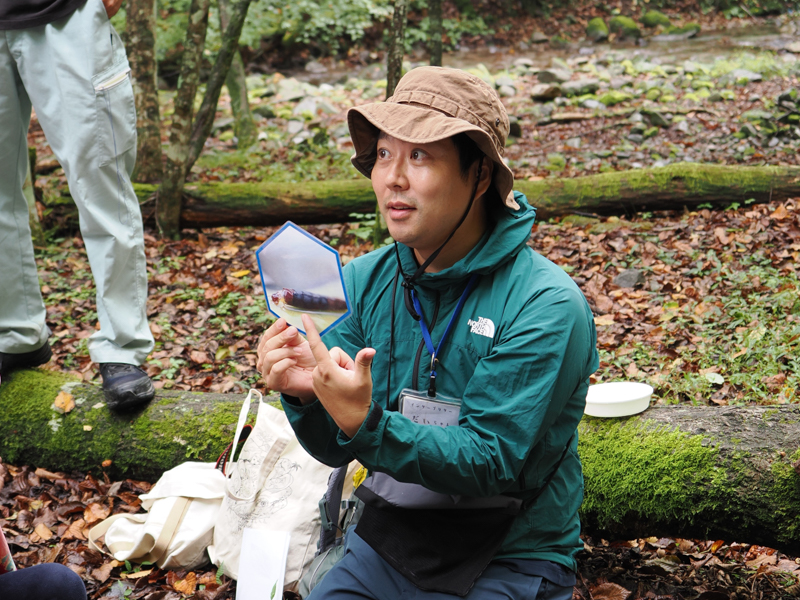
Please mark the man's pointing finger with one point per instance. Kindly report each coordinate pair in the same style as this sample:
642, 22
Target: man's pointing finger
318, 347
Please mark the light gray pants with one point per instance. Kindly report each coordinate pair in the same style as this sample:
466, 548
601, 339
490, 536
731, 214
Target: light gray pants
74, 73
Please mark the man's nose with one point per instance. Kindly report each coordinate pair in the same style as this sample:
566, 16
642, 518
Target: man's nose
396, 178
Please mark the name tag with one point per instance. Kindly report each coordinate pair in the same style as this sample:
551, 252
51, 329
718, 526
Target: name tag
422, 409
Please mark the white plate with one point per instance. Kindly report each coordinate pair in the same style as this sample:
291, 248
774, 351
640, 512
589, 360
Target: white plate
617, 399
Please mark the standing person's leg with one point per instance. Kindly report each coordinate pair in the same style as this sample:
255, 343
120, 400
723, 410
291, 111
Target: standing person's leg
48, 581
76, 74
23, 332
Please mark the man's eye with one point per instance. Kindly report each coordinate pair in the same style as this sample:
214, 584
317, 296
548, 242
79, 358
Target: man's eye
417, 155
382, 153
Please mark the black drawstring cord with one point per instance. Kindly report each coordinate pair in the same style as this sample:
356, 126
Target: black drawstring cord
408, 282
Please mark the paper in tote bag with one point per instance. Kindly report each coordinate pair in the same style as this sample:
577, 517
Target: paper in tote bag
178, 527
274, 485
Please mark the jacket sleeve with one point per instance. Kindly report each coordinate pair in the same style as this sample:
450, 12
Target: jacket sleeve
315, 429
534, 379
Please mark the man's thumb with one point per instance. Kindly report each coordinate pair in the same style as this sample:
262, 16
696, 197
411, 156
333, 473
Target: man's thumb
364, 361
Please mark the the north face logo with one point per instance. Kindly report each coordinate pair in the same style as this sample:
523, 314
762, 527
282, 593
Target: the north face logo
482, 326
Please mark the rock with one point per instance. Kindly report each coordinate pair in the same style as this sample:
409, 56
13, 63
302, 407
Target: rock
773, 142
630, 278
613, 97
514, 127
554, 75
636, 118
574, 142
683, 127
265, 110
789, 96
307, 104
756, 114
293, 127
652, 132
653, 94
638, 129
689, 30
314, 66
654, 18
523, 62
624, 27
537, 37
793, 47
744, 76
715, 97
585, 51
597, 30
222, 124
617, 83
290, 89
506, 91
656, 118
561, 101
558, 42
544, 91
660, 163
690, 66
749, 130
580, 87
502, 80
592, 104
636, 138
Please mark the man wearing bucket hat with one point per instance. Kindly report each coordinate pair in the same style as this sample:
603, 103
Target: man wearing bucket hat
472, 360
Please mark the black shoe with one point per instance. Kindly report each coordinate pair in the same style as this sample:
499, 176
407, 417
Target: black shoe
125, 386
26, 360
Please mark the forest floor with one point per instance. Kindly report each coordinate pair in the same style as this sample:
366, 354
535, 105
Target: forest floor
703, 304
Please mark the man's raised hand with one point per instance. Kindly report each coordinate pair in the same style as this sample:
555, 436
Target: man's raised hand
285, 361
344, 386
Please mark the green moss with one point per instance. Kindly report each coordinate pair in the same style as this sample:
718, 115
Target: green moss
785, 500
659, 474
624, 27
174, 428
654, 18
597, 30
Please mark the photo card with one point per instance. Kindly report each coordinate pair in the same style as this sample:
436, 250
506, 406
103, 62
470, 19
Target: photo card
301, 274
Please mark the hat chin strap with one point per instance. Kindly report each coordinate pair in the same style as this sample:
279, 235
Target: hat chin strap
410, 280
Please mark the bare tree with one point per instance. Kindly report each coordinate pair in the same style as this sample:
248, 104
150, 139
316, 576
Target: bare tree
243, 125
140, 33
394, 58
436, 26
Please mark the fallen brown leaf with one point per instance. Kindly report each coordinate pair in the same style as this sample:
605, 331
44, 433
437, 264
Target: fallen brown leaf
609, 591
95, 512
187, 585
43, 531
63, 402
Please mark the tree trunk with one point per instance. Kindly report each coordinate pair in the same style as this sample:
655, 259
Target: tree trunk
230, 47
243, 125
29, 191
171, 191
620, 192
686, 471
141, 46
435, 17
394, 58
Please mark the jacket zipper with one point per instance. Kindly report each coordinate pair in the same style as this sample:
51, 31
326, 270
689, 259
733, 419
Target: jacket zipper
421, 347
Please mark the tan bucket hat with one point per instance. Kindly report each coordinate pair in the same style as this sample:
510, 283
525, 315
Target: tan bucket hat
432, 104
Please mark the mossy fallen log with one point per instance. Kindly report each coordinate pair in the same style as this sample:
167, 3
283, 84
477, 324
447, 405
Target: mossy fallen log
175, 427
698, 472
617, 192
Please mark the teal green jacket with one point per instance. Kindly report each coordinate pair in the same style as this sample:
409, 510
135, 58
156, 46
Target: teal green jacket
519, 358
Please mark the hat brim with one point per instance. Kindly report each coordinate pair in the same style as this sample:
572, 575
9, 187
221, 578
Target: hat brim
414, 124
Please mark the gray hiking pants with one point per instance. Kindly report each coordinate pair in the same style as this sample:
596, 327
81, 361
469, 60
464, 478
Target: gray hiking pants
74, 72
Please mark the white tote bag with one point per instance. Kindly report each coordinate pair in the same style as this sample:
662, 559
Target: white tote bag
178, 527
275, 485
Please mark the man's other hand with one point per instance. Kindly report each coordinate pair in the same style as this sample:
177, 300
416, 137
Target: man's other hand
112, 7
344, 386
285, 361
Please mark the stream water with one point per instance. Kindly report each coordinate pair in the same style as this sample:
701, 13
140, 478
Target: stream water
706, 47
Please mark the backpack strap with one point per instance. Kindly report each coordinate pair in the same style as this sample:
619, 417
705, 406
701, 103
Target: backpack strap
329, 507
229, 452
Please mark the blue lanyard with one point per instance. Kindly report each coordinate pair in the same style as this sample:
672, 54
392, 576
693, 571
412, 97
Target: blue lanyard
426, 335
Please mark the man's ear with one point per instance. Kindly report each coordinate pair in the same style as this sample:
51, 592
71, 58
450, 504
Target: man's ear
486, 176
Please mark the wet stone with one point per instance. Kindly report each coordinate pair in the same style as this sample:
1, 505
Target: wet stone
544, 91
506, 91
683, 127
293, 127
636, 138
574, 142
580, 87
514, 127
618, 83
592, 104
